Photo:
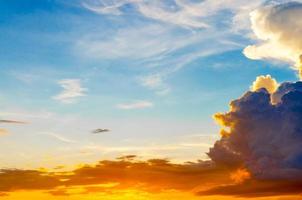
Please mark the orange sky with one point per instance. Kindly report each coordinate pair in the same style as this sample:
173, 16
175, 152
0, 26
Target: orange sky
124, 91
133, 195
129, 178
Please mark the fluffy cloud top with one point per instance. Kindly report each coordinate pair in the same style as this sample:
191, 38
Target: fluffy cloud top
267, 82
280, 28
262, 136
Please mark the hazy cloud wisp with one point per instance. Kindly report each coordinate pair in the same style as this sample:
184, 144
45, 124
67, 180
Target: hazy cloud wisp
135, 105
72, 89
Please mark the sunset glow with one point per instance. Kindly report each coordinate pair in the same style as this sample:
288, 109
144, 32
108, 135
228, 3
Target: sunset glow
150, 100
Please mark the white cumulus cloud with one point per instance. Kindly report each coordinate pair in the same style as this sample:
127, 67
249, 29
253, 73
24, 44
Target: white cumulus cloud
279, 29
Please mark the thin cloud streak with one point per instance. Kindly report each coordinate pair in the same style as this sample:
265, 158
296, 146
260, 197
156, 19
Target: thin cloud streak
135, 105
12, 122
58, 137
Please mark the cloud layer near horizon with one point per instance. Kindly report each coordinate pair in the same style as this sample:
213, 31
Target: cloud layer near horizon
125, 172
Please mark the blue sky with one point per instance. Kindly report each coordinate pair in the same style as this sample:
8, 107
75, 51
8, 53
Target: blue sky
152, 72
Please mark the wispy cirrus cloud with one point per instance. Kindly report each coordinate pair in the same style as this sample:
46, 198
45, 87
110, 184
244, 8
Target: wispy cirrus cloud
137, 42
72, 89
58, 137
177, 12
165, 36
184, 13
155, 82
135, 105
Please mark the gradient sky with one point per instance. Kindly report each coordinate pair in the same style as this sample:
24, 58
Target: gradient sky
154, 82
153, 72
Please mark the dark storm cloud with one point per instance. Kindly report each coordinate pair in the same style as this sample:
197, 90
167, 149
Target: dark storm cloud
262, 136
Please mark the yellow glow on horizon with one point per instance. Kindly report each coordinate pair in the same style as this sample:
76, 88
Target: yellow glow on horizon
128, 194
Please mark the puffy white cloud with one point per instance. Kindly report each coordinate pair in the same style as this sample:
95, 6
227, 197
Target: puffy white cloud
262, 136
72, 89
279, 27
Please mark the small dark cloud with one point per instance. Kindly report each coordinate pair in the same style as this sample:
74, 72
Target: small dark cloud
100, 130
127, 157
12, 122
154, 175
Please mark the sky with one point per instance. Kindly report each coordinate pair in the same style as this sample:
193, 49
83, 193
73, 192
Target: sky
153, 74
